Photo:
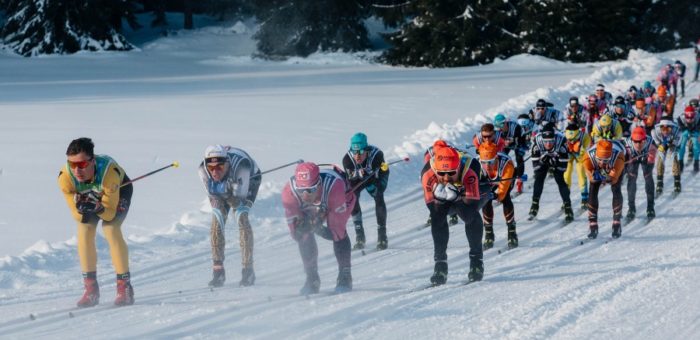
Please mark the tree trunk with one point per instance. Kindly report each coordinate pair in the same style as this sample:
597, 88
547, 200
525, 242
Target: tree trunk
188, 15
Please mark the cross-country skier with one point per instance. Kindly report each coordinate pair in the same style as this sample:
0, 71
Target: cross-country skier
365, 164
605, 164
667, 137
516, 141
455, 180
549, 152
232, 179
641, 152
500, 170
95, 188
679, 68
319, 202
607, 127
577, 142
689, 124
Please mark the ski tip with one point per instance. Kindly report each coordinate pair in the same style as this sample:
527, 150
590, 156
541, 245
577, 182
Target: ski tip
32, 317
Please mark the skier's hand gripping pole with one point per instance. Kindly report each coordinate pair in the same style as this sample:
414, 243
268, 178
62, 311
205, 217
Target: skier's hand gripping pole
383, 167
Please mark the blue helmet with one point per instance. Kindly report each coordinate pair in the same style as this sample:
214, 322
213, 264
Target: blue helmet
499, 120
358, 142
647, 84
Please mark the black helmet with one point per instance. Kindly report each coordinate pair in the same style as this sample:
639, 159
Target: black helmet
573, 100
619, 100
633, 89
541, 103
694, 102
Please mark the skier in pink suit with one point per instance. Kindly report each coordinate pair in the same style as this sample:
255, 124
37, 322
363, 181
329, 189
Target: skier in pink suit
319, 202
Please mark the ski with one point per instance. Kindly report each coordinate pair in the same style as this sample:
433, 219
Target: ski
505, 249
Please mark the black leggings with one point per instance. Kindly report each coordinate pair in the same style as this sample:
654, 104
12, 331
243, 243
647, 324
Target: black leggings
508, 210
632, 172
616, 202
379, 206
541, 175
473, 228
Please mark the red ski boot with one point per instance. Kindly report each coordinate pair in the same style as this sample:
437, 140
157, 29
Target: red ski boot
91, 296
125, 293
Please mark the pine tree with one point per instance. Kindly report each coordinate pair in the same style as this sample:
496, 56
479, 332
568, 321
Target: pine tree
36, 27
455, 33
299, 28
670, 24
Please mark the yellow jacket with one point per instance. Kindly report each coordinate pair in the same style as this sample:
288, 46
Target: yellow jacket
616, 132
108, 177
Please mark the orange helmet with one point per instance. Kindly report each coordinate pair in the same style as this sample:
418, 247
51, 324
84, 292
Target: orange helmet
661, 91
603, 149
445, 158
488, 151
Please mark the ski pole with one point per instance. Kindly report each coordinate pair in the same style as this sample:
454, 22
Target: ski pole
298, 161
635, 158
174, 164
383, 167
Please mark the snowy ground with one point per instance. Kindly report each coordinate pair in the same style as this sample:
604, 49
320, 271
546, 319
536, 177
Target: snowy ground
166, 102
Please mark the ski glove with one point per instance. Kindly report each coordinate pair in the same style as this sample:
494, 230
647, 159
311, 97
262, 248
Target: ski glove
446, 192
598, 177
88, 203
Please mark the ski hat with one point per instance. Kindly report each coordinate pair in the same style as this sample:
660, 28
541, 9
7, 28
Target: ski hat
499, 120
488, 151
666, 121
647, 85
619, 100
440, 144
573, 100
694, 102
603, 149
633, 89
606, 121
600, 87
541, 103
445, 159
215, 151
358, 142
306, 175
639, 134
572, 131
548, 131
689, 112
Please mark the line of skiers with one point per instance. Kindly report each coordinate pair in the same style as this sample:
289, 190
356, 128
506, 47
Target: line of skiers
601, 141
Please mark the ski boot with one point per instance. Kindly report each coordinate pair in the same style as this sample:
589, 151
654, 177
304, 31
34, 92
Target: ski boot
651, 213
677, 184
359, 237
630, 213
584, 202
476, 271
594, 231
382, 240
659, 186
534, 208
488, 236
454, 219
312, 284
125, 292
696, 166
218, 276
568, 213
429, 222
616, 229
247, 277
344, 281
91, 296
439, 273
512, 236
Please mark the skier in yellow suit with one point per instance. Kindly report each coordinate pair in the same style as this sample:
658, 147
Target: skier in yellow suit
577, 142
93, 186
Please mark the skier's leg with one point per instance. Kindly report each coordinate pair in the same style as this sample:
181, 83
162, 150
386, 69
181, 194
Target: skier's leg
474, 230
341, 249
647, 170
487, 213
87, 251
309, 253
563, 188
439, 230
569, 172
218, 237
632, 171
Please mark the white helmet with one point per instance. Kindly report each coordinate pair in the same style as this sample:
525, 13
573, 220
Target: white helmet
215, 151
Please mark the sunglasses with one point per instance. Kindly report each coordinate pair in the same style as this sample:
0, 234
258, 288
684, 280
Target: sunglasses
638, 141
80, 164
486, 136
447, 173
488, 161
357, 152
548, 140
215, 166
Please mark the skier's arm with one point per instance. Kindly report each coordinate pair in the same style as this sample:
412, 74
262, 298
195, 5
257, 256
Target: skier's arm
292, 210
617, 169
428, 181
110, 192
339, 209
503, 186
68, 190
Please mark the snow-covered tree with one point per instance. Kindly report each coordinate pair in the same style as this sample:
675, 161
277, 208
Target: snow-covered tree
670, 24
302, 27
36, 27
455, 33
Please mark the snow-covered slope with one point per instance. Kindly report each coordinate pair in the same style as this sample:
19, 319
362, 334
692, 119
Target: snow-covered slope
150, 107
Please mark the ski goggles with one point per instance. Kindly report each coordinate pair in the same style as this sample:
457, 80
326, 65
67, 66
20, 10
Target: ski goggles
523, 122
80, 164
638, 141
357, 152
307, 190
216, 163
447, 173
488, 136
488, 162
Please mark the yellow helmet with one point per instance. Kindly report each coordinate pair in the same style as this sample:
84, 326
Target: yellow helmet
572, 134
605, 122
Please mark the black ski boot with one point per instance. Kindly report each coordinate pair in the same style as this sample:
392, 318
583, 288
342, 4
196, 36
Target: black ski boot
616, 229
677, 184
488, 236
659, 186
439, 273
696, 166
476, 271
359, 237
312, 284
382, 240
218, 277
512, 236
247, 277
344, 281
631, 211
594, 232
534, 208
651, 213
454, 219
568, 212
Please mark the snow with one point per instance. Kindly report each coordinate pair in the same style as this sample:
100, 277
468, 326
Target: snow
175, 95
